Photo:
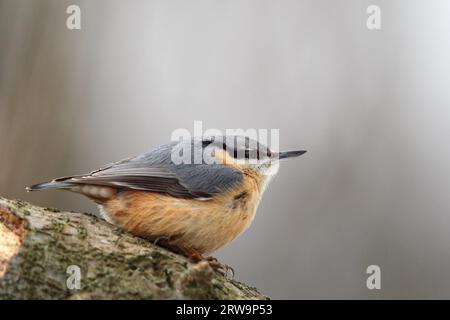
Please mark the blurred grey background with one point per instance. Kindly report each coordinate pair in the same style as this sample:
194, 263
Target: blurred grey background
371, 107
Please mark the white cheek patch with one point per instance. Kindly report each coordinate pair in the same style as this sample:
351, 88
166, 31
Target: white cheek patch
272, 169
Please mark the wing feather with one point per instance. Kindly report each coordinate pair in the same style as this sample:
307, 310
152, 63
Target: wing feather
155, 172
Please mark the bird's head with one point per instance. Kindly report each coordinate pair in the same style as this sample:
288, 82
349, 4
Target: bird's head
246, 154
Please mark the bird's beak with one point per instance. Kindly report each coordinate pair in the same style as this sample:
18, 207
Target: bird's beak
290, 154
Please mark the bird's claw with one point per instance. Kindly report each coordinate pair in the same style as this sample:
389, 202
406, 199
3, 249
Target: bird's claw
221, 268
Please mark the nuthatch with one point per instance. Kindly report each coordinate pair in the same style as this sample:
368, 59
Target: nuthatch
191, 208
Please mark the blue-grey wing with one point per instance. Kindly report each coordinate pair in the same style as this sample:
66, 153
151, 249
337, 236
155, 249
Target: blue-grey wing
155, 172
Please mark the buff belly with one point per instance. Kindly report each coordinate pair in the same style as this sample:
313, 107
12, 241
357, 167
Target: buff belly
200, 225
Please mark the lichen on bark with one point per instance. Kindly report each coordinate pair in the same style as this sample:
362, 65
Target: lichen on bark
37, 245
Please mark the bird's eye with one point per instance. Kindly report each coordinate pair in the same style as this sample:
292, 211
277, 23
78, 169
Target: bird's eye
206, 143
235, 153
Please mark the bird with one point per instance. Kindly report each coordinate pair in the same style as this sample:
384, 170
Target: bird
192, 196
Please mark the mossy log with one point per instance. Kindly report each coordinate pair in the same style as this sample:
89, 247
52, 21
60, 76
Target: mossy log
38, 247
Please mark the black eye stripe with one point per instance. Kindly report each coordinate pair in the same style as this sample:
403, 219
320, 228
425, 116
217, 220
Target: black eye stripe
245, 151
206, 143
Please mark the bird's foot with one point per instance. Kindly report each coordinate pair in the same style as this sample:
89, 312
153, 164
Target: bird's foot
221, 268
196, 257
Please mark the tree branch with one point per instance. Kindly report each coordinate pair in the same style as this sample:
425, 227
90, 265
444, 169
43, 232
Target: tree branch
38, 245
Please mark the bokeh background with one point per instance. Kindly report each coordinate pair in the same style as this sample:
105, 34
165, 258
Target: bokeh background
371, 107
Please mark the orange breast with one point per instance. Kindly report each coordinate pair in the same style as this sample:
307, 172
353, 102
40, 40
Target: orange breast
202, 225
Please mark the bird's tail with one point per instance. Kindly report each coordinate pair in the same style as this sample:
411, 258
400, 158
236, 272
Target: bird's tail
50, 185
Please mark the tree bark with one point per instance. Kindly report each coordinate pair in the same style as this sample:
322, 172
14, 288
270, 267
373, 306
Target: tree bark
38, 246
